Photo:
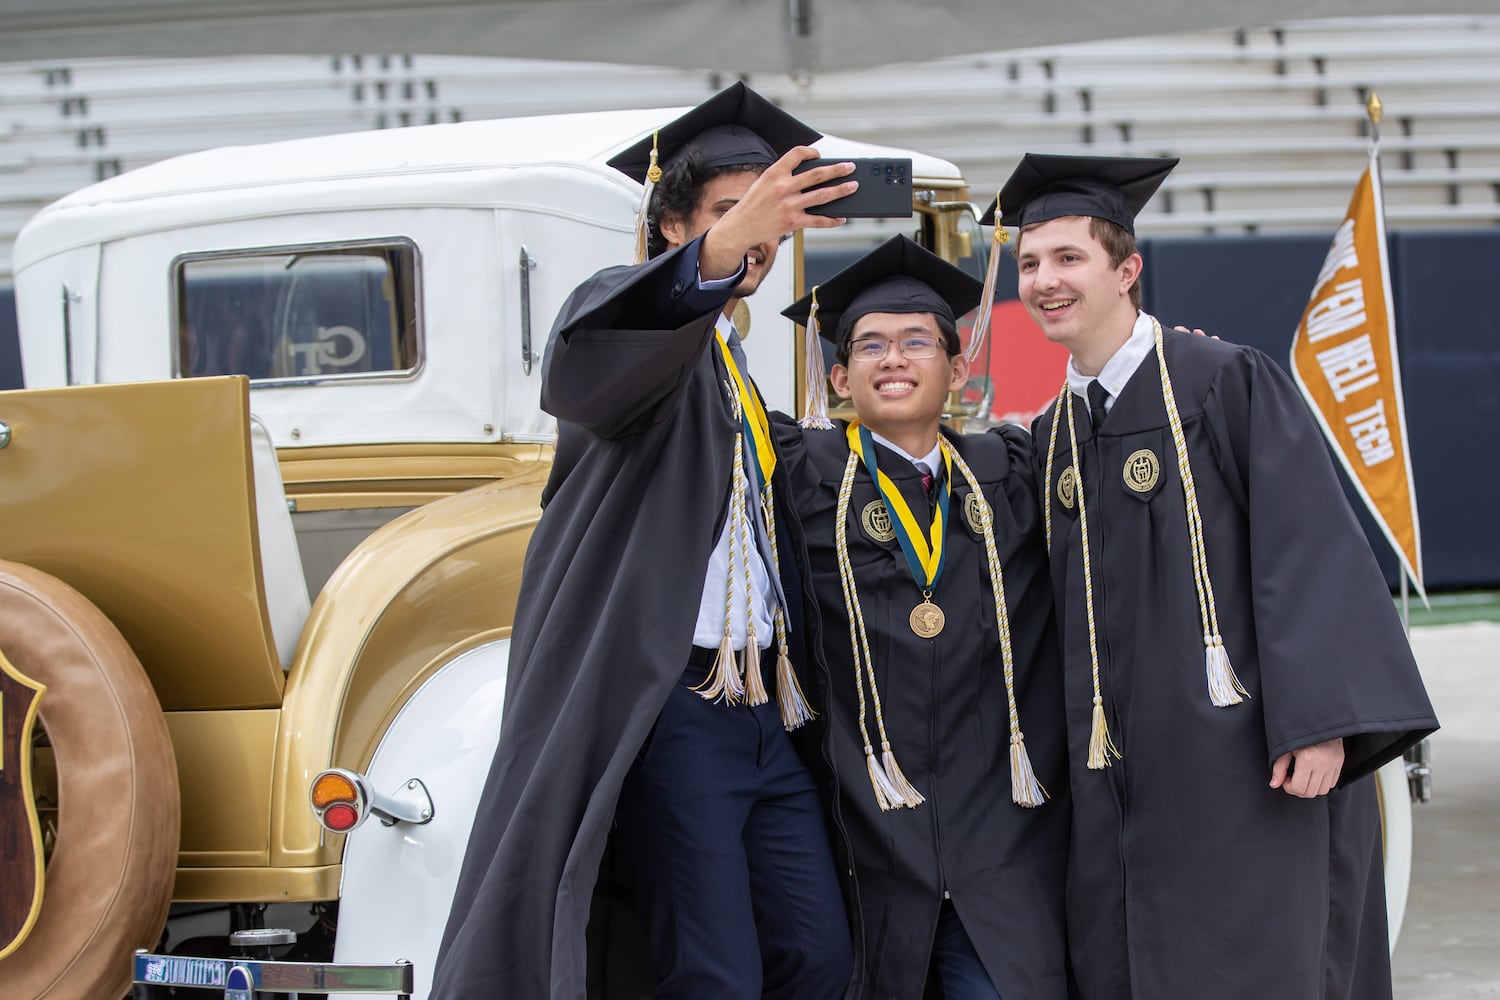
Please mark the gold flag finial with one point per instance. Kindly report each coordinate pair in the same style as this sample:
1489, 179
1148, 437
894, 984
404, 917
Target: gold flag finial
1374, 108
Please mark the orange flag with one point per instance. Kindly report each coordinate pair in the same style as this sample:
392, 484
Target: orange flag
1344, 361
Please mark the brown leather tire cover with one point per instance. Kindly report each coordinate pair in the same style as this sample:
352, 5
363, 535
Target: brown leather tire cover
109, 881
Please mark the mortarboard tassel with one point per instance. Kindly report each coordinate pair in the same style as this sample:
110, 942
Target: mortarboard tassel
815, 377
1224, 687
642, 226
1025, 789
986, 305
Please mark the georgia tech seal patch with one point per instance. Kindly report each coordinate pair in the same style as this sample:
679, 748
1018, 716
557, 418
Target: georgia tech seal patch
877, 521
1142, 470
977, 511
1066, 487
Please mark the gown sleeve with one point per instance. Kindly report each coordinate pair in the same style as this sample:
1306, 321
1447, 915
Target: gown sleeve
1334, 658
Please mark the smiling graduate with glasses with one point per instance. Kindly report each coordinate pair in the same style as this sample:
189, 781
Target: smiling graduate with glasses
934, 614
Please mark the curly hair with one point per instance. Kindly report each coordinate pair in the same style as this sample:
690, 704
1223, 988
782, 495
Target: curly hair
676, 195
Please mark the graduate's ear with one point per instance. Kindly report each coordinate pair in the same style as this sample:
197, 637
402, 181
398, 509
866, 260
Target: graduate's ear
1130, 272
839, 376
959, 375
673, 230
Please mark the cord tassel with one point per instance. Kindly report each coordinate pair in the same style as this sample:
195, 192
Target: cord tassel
1223, 686
1100, 744
886, 796
723, 682
755, 684
908, 796
795, 711
1025, 790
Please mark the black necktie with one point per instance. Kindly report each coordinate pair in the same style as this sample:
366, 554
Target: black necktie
1098, 396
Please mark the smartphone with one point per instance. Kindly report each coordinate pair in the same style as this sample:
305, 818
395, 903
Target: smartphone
884, 189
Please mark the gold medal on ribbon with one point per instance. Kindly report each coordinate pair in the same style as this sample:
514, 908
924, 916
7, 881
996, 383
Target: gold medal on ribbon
926, 619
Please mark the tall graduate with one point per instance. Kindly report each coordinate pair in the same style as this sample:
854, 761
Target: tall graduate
1234, 665
944, 719
647, 827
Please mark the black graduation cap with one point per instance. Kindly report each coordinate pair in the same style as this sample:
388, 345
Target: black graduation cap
734, 126
898, 276
1049, 186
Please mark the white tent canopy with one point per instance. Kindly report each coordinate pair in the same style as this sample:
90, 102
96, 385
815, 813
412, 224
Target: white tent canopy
730, 35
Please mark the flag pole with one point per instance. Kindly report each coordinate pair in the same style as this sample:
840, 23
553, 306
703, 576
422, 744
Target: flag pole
1374, 110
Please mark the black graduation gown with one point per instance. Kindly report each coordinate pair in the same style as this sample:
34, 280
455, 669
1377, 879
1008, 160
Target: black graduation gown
604, 623
947, 719
1190, 877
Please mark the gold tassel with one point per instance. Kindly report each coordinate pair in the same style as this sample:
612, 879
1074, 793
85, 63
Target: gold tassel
755, 684
907, 795
723, 682
815, 379
1223, 686
1025, 790
1100, 745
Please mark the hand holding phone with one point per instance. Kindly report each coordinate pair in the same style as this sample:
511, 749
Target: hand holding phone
884, 188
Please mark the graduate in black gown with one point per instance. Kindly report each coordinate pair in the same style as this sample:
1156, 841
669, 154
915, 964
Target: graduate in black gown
651, 686
1234, 665
944, 722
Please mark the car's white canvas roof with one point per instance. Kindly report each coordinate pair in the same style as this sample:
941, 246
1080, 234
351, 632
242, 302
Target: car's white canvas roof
465, 164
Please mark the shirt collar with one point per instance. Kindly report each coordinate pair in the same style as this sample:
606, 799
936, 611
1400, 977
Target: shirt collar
931, 459
1118, 369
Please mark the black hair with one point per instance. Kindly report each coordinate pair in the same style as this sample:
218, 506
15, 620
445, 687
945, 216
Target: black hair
676, 195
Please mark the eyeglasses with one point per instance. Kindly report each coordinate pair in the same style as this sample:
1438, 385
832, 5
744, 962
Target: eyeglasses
876, 348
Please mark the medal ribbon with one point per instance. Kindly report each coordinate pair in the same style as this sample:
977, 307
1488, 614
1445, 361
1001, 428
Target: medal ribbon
753, 416
924, 553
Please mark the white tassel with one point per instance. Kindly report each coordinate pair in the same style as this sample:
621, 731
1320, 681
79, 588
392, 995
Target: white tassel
755, 684
906, 795
886, 795
795, 711
814, 378
1224, 687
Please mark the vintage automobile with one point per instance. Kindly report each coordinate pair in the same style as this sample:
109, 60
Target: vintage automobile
259, 375
267, 497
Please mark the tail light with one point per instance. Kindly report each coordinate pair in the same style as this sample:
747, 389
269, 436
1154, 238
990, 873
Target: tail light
342, 800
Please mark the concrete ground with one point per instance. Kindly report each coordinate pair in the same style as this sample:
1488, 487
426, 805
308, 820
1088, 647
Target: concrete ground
1449, 947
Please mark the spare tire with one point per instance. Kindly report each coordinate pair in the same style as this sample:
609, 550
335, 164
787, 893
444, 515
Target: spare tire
108, 883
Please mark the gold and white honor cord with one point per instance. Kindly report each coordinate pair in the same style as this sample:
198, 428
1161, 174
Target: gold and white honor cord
795, 711
1025, 789
1224, 687
724, 682
892, 790
1101, 746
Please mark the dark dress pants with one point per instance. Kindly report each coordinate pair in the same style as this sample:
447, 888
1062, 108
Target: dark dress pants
722, 837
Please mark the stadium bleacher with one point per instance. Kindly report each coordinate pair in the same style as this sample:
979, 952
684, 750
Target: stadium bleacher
1269, 121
